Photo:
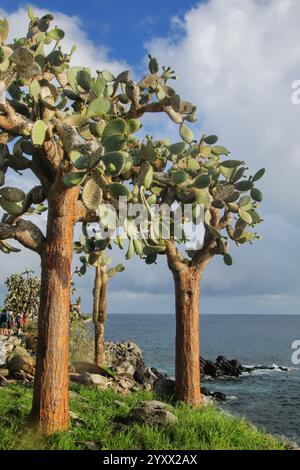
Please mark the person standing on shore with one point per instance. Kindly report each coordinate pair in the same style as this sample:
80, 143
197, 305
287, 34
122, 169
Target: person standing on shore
3, 322
19, 323
10, 323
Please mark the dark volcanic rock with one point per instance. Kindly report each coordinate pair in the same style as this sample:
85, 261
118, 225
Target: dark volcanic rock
164, 387
211, 369
231, 368
219, 396
222, 367
154, 413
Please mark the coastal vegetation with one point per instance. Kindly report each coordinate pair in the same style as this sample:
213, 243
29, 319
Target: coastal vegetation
75, 132
23, 295
99, 424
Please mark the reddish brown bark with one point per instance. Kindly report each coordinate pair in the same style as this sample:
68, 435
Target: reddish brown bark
100, 312
187, 290
50, 411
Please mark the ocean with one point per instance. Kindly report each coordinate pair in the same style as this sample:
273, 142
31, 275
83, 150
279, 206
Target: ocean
270, 399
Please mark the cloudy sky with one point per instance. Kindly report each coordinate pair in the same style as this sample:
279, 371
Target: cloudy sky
236, 60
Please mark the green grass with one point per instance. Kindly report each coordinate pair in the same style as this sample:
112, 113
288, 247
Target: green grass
101, 414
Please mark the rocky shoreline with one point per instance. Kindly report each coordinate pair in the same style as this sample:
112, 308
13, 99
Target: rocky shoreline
126, 371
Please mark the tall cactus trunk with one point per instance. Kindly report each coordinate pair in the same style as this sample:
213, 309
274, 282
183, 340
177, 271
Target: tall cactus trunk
100, 312
187, 289
50, 409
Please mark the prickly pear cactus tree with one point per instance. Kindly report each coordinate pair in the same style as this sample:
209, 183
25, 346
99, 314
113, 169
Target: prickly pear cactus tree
223, 205
23, 295
93, 250
74, 130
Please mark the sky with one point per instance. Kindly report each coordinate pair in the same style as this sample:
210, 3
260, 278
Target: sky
236, 60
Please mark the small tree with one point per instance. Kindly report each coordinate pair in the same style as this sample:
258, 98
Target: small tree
95, 255
23, 294
74, 131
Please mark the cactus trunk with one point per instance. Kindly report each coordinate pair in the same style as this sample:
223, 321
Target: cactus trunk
50, 409
100, 312
187, 289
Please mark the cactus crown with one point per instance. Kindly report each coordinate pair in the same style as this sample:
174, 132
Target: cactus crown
69, 125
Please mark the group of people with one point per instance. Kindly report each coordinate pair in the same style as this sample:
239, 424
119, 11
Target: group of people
8, 323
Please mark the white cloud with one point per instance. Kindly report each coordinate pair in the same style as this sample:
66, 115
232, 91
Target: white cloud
88, 54
236, 60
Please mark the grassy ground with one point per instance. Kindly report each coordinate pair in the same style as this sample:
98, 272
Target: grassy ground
100, 416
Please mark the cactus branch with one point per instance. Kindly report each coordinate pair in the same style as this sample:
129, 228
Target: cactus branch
10, 120
26, 233
174, 260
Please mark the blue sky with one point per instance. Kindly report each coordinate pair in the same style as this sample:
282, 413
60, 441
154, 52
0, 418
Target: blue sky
122, 26
236, 60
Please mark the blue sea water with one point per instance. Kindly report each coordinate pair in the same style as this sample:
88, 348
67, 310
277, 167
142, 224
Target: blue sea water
267, 398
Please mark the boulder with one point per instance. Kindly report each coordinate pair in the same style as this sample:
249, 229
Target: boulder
3, 381
11, 343
100, 381
18, 351
222, 367
4, 373
23, 376
164, 387
124, 384
81, 367
80, 379
21, 362
154, 413
148, 375
211, 369
118, 353
125, 368
31, 342
230, 368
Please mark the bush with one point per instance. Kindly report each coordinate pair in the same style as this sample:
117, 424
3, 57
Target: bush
81, 342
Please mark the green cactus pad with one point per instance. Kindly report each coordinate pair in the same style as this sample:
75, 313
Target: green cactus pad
38, 133
98, 107
179, 177
177, 149
245, 216
256, 195
202, 182
118, 190
145, 176
115, 162
186, 134
12, 194
92, 195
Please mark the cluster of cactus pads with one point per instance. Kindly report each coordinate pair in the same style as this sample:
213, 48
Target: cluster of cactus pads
93, 253
93, 121
195, 173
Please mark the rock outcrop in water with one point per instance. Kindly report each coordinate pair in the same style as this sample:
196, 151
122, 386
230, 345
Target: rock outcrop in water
221, 367
224, 367
125, 369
